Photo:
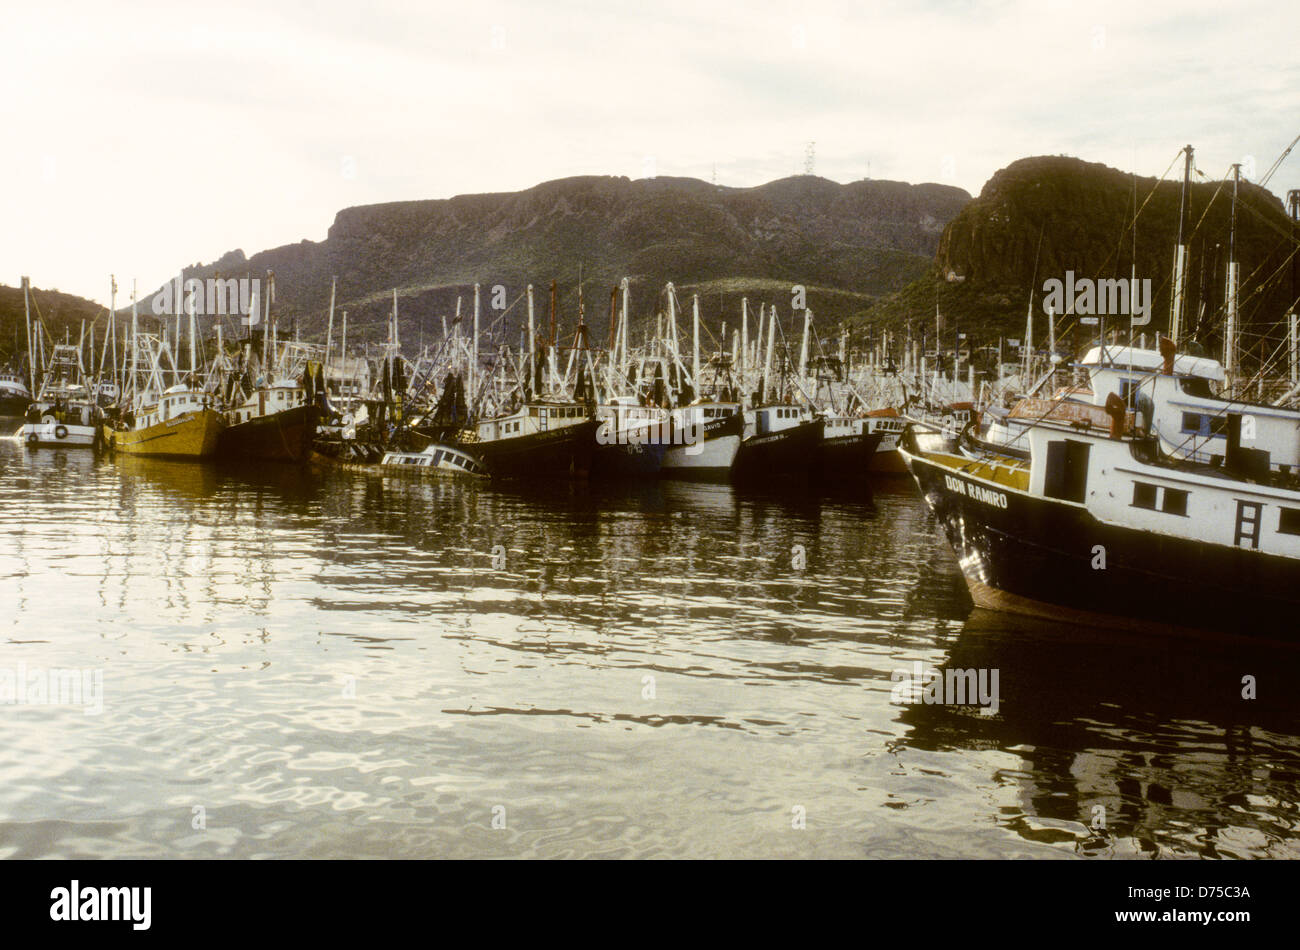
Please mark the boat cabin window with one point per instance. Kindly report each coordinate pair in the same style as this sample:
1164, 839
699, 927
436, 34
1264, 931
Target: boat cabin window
1198, 423
1196, 386
1175, 502
1288, 521
1144, 495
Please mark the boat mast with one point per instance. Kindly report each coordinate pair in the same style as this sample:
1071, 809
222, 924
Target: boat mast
394, 338
1180, 255
1133, 266
194, 362
695, 344
622, 362
744, 337
329, 328
135, 339
550, 349
343, 346
615, 337
31, 350
771, 342
473, 363
532, 341
803, 347
1293, 204
672, 323
1230, 291
108, 331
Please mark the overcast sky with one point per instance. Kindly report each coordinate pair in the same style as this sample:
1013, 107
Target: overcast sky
140, 137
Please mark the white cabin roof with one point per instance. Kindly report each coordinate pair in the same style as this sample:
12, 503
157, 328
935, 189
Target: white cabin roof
1132, 357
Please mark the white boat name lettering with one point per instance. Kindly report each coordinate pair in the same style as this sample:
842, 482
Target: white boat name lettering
978, 492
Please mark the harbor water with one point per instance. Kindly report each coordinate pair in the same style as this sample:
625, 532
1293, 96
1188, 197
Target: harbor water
286, 662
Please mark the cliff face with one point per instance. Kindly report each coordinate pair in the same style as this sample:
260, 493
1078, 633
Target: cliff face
1080, 211
846, 243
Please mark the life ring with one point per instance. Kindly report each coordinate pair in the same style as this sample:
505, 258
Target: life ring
60, 432
33, 438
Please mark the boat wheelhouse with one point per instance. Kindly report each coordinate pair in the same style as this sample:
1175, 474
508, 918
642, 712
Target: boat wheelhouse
1175, 397
1182, 405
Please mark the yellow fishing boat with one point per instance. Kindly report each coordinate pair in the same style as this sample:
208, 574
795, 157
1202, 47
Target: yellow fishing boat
182, 424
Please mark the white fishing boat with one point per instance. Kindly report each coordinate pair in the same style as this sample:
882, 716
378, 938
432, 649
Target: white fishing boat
704, 439
1096, 528
889, 425
64, 413
438, 459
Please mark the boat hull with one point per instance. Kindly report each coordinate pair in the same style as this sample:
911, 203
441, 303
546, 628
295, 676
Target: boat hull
1025, 554
46, 435
712, 456
889, 461
629, 460
13, 406
284, 436
558, 453
191, 435
846, 459
791, 453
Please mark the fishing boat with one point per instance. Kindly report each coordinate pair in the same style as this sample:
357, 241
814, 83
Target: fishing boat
889, 425
704, 440
275, 423
1110, 530
537, 440
15, 397
631, 439
64, 413
437, 459
183, 424
846, 451
63, 417
780, 441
